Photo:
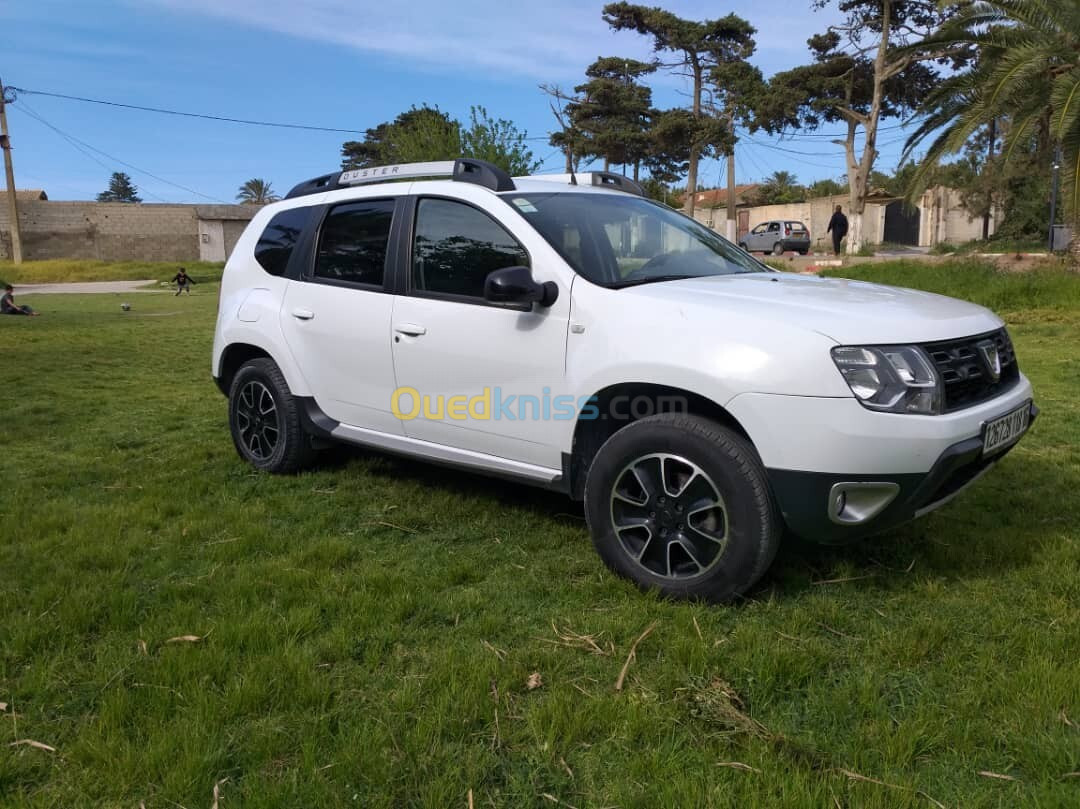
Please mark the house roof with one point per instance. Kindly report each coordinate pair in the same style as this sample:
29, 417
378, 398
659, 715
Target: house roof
29, 194
717, 197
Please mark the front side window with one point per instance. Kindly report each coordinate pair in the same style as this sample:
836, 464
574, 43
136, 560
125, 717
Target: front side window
278, 239
456, 246
759, 230
352, 245
620, 240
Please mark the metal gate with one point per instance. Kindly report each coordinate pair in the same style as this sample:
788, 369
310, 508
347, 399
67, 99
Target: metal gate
901, 223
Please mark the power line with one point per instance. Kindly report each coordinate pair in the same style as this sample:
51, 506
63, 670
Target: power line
72, 138
187, 114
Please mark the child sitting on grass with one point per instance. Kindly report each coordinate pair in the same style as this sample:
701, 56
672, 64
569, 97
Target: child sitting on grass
9, 307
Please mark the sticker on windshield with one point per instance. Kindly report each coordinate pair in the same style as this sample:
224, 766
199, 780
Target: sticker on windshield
524, 205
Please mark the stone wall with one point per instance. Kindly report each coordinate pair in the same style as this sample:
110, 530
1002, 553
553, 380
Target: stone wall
113, 231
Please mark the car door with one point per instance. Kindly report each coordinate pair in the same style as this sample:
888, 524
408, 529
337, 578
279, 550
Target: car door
753, 238
474, 375
771, 236
336, 317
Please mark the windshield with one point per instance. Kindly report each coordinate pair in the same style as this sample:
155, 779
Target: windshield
619, 240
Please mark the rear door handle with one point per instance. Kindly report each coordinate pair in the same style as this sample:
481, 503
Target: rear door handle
303, 314
411, 329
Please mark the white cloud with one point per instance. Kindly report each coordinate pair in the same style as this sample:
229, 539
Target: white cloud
550, 41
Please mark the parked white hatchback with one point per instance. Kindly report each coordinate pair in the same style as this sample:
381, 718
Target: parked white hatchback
566, 332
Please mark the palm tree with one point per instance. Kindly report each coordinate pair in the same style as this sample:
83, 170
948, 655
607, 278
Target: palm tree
1027, 73
257, 192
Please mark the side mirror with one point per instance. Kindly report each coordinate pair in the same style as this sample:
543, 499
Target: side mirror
516, 285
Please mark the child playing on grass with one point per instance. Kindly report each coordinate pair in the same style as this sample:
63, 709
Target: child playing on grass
182, 280
9, 307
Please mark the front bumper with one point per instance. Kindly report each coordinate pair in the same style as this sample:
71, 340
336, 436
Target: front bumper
804, 497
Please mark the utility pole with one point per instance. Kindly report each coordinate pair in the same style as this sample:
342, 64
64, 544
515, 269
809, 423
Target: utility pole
1054, 195
13, 210
732, 233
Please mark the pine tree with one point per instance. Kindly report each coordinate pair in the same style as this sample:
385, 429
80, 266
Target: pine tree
121, 189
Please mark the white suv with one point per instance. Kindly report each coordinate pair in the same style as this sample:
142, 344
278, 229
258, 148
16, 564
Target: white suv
566, 332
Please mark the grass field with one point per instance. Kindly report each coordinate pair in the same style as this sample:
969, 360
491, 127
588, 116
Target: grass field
174, 625
52, 272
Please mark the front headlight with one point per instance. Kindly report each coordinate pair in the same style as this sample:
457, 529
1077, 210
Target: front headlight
895, 379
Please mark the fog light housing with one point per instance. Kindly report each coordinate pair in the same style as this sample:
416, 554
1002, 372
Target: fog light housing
856, 502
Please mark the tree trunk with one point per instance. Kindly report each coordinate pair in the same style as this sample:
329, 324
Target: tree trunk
637, 169
607, 163
989, 157
859, 172
691, 172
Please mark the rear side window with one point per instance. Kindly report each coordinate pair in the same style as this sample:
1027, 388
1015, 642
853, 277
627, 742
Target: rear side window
277, 241
456, 246
352, 245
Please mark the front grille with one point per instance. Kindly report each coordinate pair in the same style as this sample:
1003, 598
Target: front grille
966, 373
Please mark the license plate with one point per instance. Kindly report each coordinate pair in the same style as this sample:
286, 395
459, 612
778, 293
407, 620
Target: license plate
1005, 430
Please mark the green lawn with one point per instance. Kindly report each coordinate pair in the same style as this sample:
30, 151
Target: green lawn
50, 272
367, 630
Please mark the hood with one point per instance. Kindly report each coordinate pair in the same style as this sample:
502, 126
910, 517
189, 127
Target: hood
849, 312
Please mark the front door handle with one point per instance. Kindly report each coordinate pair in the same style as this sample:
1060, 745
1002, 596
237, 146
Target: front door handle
411, 329
303, 314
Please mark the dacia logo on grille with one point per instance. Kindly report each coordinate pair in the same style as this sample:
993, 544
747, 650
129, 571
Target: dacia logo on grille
991, 359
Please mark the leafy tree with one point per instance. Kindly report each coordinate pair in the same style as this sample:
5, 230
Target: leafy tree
121, 189
667, 155
779, 188
824, 188
419, 134
698, 47
257, 192
612, 110
1027, 76
498, 142
568, 138
861, 72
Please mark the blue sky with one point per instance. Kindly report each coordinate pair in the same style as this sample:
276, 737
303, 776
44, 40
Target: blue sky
337, 63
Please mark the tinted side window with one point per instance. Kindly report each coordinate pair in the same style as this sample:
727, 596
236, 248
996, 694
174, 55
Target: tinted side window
277, 241
456, 246
352, 245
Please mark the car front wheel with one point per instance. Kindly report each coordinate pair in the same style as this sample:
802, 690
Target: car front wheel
680, 504
778, 249
264, 419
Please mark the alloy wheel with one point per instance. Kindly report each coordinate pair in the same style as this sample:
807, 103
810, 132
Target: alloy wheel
669, 516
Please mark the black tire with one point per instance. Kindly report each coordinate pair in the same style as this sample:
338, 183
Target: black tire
700, 454
803, 252
742, 245
778, 249
273, 441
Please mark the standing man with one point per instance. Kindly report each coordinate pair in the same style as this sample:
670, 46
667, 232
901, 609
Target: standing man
9, 307
182, 281
838, 229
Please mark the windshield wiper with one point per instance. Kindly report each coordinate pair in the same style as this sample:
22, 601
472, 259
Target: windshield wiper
652, 279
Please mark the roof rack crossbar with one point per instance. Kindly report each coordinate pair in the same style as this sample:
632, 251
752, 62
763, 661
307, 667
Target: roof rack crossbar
464, 169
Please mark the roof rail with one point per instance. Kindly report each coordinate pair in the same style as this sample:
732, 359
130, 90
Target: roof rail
604, 179
464, 169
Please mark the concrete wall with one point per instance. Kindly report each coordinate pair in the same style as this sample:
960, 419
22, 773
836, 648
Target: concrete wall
113, 231
942, 218
945, 220
814, 213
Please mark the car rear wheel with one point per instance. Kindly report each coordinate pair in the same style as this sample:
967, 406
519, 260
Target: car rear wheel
778, 249
680, 504
264, 419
